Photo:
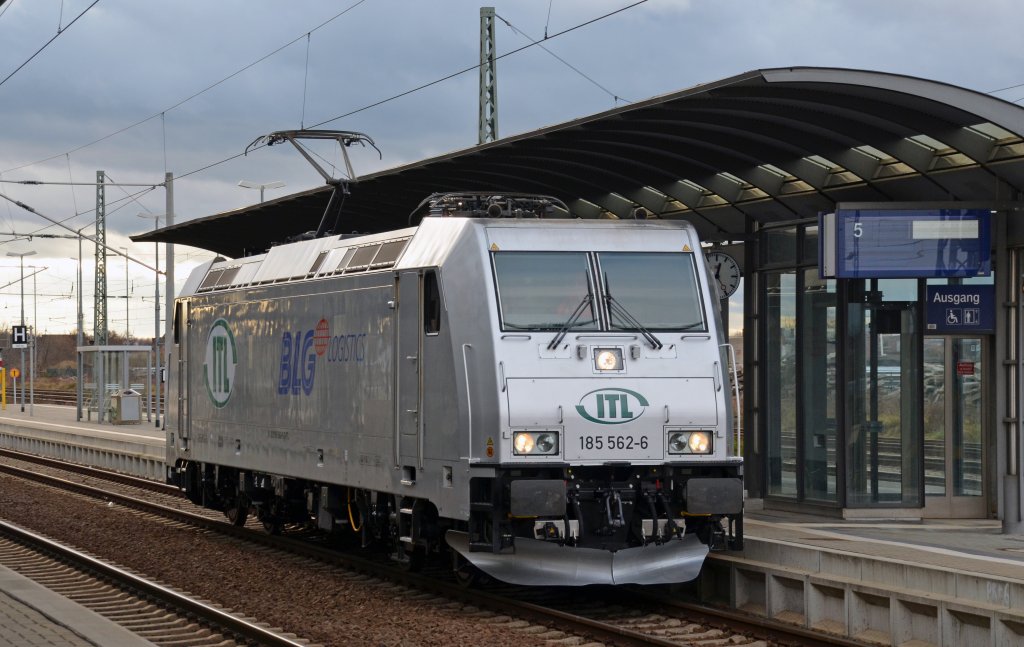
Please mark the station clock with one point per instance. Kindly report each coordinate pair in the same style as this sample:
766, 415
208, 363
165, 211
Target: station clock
726, 272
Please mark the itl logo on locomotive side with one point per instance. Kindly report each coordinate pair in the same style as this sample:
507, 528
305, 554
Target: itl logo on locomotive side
219, 363
612, 406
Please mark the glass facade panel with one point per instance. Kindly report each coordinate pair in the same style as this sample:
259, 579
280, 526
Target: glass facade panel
779, 246
810, 246
883, 403
858, 407
818, 354
780, 382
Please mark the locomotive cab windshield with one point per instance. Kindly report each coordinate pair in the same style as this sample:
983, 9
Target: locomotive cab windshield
539, 290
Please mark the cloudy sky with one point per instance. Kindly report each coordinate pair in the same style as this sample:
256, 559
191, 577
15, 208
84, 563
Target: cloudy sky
141, 88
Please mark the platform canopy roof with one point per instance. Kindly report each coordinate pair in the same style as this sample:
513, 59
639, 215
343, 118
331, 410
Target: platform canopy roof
766, 146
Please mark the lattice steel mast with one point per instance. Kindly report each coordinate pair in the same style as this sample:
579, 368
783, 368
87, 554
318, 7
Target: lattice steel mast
100, 325
488, 78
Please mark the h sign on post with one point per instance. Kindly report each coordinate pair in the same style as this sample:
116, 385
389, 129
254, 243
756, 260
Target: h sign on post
19, 336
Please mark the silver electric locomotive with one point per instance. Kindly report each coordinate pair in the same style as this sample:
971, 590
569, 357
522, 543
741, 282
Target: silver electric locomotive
545, 400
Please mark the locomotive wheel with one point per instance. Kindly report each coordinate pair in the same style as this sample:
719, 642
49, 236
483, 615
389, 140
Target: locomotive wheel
272, 515
466, 574
413, 560
237, 511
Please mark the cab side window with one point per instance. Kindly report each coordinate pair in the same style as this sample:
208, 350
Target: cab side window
431, 304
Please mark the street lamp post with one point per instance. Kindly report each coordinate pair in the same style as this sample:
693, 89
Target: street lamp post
155, 392
127, 296
32, 350
21, 256
246, 184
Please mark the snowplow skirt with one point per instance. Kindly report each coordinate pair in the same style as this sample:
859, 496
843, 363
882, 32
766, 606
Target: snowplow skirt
537, 563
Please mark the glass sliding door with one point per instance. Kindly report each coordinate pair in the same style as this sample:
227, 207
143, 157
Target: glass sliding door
968, 409
818, 357
954, 395
883, 394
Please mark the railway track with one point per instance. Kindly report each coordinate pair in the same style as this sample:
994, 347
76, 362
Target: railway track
159, 614
603, 615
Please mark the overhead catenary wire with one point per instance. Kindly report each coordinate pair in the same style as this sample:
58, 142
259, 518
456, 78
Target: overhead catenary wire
360, 110
569, 65
356, 111
116, 205
305, 83
195, 94
477, 66
418, 88
47, 44
81, 235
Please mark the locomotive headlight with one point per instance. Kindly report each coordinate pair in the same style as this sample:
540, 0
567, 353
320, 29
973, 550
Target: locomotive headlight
689, 442
608, 359
676, 442
699, 442
523, 443
546, 443
535, 443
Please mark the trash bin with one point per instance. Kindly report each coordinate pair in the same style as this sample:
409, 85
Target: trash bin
126, 407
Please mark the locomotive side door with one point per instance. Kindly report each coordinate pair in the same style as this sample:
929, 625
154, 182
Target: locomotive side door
408, 374
181, 326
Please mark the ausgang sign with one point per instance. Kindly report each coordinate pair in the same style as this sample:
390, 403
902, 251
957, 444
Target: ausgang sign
960, 309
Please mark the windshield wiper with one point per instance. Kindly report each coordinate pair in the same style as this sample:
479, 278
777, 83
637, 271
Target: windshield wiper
571, 321
616, 308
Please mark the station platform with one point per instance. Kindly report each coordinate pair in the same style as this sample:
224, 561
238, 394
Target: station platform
34, 616
53, 430
883, 582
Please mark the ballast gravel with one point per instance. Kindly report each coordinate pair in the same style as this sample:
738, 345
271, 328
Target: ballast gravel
313, 601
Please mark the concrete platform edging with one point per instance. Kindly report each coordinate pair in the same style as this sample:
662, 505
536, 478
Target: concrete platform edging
127, 457
59, 611
872, 599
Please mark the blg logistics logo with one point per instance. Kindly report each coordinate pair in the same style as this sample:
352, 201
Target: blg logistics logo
612, 406
301, 349
220, 361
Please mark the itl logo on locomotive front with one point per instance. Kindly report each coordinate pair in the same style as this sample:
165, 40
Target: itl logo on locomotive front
612, 406
219, 365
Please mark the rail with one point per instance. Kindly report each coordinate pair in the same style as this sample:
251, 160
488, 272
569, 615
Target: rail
586, 613
147, 589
